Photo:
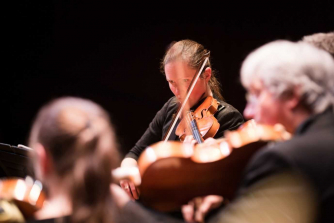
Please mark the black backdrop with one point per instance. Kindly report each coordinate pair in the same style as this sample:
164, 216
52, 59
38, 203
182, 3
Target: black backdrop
110, 52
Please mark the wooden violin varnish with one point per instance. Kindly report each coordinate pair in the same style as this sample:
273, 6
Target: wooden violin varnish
27, 194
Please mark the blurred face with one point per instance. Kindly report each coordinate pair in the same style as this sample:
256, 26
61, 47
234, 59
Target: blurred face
179, 76
263, 106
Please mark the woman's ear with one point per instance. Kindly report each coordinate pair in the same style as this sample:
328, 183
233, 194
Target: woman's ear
44, 162
207, 74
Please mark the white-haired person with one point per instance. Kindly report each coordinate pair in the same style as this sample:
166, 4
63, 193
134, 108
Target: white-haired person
323, 41
290, 83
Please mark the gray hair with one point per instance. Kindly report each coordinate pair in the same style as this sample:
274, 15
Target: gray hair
283, 65
323, 41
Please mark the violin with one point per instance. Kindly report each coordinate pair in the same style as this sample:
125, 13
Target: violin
173, 173
27, 194
201, 123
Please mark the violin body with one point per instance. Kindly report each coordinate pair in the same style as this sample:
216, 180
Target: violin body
173, 173
204, 118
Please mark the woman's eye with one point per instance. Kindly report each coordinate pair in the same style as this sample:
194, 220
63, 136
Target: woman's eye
185, 80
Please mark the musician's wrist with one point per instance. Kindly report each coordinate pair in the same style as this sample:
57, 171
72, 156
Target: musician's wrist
129, 162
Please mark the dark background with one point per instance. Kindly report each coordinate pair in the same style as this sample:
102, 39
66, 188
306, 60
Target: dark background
110, 52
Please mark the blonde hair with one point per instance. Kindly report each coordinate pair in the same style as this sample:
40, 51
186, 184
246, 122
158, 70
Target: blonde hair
194, 54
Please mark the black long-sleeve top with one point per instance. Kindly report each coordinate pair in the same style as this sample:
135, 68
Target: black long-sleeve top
228, 117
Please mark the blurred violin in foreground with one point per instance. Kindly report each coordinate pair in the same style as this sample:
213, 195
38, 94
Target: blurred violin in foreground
27, 194
172, 173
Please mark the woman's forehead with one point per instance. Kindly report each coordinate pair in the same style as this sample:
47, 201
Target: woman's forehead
179, 70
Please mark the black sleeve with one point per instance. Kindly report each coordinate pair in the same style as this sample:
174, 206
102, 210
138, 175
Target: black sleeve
152, 134
265, 163
229, 118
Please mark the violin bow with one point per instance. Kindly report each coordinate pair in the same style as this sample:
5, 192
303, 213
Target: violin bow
186, 99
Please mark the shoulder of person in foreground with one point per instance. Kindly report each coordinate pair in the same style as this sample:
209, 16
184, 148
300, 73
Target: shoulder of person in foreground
128, 211
281, 197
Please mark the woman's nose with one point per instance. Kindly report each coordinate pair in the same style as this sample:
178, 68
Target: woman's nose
176, 91
180, 91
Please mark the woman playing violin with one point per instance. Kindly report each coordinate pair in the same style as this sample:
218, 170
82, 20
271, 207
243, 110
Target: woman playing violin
181, 62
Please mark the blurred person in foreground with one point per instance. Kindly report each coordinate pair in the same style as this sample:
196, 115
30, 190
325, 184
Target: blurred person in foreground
291, 84
74, 152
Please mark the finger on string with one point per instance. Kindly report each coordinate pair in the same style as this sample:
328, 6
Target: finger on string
133, 191
126, 187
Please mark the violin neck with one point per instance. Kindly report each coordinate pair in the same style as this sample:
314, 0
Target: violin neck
194, 129
195, 132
